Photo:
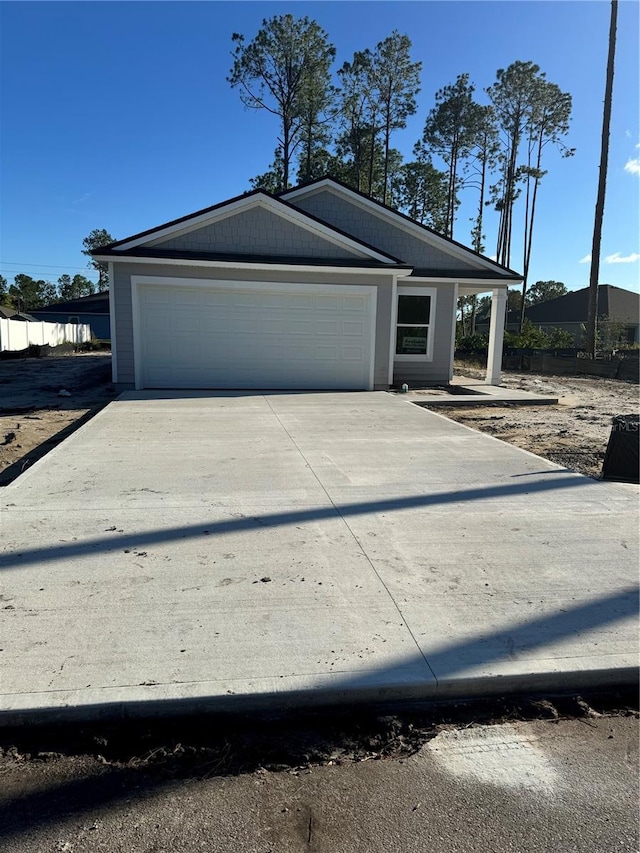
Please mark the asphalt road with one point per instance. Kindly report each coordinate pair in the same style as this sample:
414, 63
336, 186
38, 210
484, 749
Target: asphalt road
563, 785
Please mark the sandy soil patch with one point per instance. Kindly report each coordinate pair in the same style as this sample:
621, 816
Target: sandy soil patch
33, 415
574, 433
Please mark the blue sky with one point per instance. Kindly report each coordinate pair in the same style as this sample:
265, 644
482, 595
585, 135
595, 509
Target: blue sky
118, 115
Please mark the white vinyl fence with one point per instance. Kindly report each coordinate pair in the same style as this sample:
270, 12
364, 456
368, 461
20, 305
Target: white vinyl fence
18, 334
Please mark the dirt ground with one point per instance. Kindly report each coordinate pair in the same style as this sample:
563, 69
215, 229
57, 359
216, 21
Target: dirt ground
574, 433
348, 780
34, 417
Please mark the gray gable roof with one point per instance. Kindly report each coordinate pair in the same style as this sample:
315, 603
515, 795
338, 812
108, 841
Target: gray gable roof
95, 303
615, 303
255, 223
430, 253
334, 224
259, 231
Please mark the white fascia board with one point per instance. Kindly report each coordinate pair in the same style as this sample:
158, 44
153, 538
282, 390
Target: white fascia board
486, 283
407, 225
297, 217
242, 265
112, 324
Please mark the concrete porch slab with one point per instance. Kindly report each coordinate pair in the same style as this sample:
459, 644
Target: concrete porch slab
204, 551
474, 392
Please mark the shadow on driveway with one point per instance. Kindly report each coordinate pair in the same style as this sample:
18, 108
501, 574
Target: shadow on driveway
72, 550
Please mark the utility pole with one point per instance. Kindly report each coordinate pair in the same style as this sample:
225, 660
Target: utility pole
602, 185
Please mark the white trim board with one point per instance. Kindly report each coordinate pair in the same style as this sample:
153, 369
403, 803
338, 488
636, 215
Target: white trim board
112, 324
248, 265
296, 217
454, 324
393, 328
413, 228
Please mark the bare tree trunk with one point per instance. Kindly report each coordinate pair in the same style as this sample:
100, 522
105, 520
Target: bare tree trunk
500, 233
447, 222
372, 152
387, 134
463, 323
285, 154
452, 199
357, 155
528, 229
509, 202
602, 185
478, 245
308, 153
528, 257
524, 252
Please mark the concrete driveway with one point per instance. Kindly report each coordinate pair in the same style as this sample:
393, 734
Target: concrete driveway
227, 550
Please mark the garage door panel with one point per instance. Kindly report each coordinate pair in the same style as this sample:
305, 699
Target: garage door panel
352, 353
354, 328
353, 303
227, 337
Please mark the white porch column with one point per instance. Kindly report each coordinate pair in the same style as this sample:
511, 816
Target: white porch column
496, 335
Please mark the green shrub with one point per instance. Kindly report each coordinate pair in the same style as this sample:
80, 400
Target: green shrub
477, 343
532, 337
560, 339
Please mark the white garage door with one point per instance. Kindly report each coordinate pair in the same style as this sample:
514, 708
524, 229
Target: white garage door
250, 335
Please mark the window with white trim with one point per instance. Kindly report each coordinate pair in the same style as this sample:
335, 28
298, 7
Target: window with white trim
414, 322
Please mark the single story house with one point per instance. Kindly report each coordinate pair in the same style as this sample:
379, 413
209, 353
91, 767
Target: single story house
511, 324
21, 316
317, 287
617, 308
92, 310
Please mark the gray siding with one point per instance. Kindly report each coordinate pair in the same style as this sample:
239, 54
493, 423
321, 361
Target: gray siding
439, 369
124, 323
378, 232
257, 232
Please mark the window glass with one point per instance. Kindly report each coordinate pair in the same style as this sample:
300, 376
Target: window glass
411, 340
414, 309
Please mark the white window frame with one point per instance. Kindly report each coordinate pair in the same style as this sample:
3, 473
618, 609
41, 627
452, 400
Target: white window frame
404, 290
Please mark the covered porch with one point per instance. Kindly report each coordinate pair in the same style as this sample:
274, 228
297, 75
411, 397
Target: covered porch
496, 328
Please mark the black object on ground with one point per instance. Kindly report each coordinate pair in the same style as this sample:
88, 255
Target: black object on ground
622, 459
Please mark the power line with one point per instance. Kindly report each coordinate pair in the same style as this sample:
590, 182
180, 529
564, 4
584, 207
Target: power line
30, 269
45, 266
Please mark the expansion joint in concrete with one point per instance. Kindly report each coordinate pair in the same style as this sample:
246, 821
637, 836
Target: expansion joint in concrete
353, 535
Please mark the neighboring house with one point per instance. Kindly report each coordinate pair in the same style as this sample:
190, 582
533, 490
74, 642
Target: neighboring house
7, 313
618, 314
512, 322
92, 310
318, 287
23, 317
